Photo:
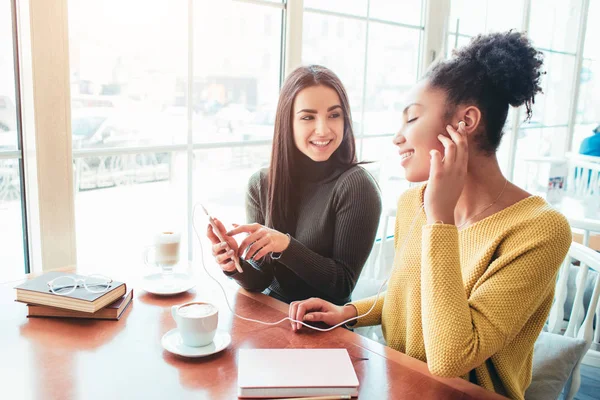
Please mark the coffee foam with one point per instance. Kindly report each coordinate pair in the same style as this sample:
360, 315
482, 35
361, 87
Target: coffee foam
197, 310
167, 237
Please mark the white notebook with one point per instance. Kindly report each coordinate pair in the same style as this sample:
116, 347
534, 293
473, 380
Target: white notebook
295, 372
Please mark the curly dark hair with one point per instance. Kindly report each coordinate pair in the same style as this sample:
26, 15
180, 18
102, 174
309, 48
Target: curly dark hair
493, 71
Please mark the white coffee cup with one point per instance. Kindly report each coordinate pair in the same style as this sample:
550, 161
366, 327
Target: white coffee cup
197, 322
166, 250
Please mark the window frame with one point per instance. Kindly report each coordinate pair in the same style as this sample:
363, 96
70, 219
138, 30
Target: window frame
46, 153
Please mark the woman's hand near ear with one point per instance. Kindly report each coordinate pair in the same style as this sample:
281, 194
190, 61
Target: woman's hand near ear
447, 177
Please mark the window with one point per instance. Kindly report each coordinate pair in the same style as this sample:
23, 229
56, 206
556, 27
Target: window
392, 70
553, 24
403, 12
236, 78
222, 178
330, 50
235, 94
12, 235
142, 145
588, 105
385, 38
471, 17
176, 104
351, 7
553, 30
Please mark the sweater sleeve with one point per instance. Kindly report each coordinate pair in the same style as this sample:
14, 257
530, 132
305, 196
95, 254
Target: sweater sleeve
357, 212
256, 276
364, 305
461, 332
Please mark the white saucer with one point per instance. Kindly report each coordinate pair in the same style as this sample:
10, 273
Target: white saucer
172, 342
156, 284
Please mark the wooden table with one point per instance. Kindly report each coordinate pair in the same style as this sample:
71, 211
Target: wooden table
43, 358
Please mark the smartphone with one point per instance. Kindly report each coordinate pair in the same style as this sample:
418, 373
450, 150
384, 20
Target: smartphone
217, 232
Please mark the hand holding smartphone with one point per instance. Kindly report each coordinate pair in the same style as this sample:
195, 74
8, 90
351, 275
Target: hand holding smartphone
218, 233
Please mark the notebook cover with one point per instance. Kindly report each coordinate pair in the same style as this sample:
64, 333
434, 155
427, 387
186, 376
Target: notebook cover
40, 285
294, 368
112, 311
36, 291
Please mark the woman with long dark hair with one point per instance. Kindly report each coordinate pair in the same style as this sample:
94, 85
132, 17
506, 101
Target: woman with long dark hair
313, 214
476, 256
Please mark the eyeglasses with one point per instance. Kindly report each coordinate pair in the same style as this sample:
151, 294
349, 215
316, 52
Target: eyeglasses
64, 285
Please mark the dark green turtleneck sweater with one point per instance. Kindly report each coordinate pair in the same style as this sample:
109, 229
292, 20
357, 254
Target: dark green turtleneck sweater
337, 218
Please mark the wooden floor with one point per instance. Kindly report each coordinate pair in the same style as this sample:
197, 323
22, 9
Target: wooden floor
590, 384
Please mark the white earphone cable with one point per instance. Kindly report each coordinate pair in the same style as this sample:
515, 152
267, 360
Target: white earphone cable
288, 318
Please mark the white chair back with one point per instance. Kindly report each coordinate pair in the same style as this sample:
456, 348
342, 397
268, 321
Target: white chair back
583, 157
581, 323
582, 177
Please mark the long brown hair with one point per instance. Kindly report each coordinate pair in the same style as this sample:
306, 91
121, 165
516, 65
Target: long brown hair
281, 207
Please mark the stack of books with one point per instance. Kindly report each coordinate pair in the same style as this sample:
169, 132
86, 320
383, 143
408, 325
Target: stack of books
80, 303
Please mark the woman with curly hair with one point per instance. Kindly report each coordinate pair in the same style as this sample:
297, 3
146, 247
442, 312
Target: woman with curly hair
476, 256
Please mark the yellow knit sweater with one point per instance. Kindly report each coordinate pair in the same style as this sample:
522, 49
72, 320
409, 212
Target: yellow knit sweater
471, 303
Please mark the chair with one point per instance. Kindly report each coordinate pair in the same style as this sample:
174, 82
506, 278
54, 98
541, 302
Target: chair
583, 157
582, 177
581, 322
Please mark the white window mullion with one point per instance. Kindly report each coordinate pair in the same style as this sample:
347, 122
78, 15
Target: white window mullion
577, 76
18, 154
361, 134
437, 14
28, 132
190, 134
46, 115
516, 122
293, 35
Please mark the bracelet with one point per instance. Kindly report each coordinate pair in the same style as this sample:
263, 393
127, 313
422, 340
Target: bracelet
277, 256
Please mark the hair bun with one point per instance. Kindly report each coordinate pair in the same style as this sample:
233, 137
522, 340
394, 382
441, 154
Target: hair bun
510, 63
